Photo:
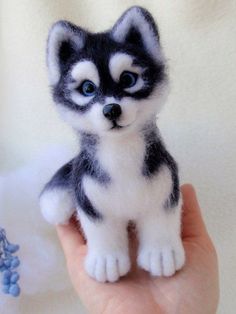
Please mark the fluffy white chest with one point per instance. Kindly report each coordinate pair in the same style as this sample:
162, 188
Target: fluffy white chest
129, 194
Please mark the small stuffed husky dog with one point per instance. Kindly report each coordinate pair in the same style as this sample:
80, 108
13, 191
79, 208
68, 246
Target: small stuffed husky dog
109, 87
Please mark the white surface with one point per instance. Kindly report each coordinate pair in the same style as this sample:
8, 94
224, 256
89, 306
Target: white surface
198, 122
42, 270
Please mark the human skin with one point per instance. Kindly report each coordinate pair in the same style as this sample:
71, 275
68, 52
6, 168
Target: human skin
192, 290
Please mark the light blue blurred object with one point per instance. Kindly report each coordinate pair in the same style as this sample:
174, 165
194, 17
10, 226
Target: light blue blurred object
8, 265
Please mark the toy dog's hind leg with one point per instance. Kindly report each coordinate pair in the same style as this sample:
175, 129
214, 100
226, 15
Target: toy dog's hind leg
56, 200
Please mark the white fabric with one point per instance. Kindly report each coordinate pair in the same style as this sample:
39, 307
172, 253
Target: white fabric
198, 122
42, 270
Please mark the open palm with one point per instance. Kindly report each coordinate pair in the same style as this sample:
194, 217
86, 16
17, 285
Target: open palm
194, 289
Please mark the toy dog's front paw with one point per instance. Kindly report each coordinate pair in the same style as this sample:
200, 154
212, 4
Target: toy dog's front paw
107, 267
163, 260
56, 206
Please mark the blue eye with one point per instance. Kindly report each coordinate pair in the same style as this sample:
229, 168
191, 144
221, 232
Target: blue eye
88, 88
128, 79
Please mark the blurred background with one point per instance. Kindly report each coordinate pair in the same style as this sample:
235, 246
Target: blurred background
197, 123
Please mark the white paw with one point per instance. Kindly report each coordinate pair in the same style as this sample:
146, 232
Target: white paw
56, 206
107, 267
162, 260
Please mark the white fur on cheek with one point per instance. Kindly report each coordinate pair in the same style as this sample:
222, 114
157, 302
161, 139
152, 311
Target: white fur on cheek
151, 106
92, 120
57, 206
129, 111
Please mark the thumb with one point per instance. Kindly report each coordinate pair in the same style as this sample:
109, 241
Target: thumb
193, 224
71, 238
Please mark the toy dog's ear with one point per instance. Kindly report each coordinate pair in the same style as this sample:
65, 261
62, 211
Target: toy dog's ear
64, 40
137, 27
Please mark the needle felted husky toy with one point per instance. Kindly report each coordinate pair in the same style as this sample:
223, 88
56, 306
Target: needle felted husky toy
109, 87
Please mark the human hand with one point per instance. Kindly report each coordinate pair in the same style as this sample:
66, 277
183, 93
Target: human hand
192, 290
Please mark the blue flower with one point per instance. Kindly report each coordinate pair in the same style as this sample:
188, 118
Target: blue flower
8, 265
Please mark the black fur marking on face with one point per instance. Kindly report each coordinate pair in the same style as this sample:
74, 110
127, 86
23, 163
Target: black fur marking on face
86, 164
62, 96
156, 156
66, 50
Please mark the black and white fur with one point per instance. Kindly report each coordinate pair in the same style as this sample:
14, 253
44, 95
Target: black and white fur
123, 172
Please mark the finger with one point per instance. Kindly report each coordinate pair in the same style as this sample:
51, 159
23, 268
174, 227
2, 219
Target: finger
133, 243
70, 237
193, 224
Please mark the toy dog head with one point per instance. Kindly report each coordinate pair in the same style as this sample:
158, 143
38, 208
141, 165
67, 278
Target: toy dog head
111, 82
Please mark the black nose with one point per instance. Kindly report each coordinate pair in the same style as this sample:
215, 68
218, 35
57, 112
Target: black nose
112, 111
